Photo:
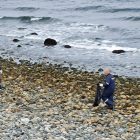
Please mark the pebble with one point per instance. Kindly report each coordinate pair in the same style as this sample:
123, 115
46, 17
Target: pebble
25, 120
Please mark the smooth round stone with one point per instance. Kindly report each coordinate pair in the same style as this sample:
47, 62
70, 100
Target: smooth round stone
25, 120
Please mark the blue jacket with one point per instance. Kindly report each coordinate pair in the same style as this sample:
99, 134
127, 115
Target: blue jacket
109, 83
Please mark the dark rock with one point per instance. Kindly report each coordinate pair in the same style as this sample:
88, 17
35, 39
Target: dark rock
97, 38
116, 76
118, 51
67, 46
33, 33
27, 44
19, 46
16, 40
100, 70
22, 133
11, 59
83, 97
21, 28
50, 42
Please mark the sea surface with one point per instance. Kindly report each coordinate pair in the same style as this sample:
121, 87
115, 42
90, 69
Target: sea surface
94, 28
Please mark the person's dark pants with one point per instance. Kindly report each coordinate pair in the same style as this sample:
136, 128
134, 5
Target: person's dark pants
107, 97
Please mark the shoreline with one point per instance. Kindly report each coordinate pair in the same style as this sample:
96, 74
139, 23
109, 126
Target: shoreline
57, 104
33, 50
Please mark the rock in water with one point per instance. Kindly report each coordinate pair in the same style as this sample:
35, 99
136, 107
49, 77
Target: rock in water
118, 51
33, 33
67, 46
19, 46
100, 70
21, 28
16, 40
50, 42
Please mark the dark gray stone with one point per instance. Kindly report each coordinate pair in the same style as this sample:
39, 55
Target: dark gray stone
50, 42
16, 40
19, 46
33, 33
67, 46
118, 51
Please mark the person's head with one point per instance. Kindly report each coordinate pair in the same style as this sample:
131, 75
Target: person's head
106, 71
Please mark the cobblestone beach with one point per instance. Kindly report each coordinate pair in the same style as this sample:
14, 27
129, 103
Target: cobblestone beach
54, 103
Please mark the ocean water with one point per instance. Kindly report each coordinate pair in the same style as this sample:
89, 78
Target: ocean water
92, 28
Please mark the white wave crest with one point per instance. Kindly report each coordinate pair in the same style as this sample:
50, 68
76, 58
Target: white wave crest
36, 18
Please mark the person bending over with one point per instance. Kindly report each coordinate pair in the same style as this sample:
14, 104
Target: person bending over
109, 88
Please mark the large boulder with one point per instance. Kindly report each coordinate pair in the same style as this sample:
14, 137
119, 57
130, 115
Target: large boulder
50, 42
118, 51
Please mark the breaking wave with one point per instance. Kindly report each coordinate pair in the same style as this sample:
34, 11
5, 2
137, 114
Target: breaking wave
29, 18
27, 9
104, 45
88, 8
107, 9
115, 10
132, 18
115, 47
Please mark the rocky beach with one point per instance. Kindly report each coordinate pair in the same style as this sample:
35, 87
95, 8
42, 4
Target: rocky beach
51, 53
50, 102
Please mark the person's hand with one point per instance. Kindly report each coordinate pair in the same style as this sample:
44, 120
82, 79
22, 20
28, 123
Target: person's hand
101, 85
